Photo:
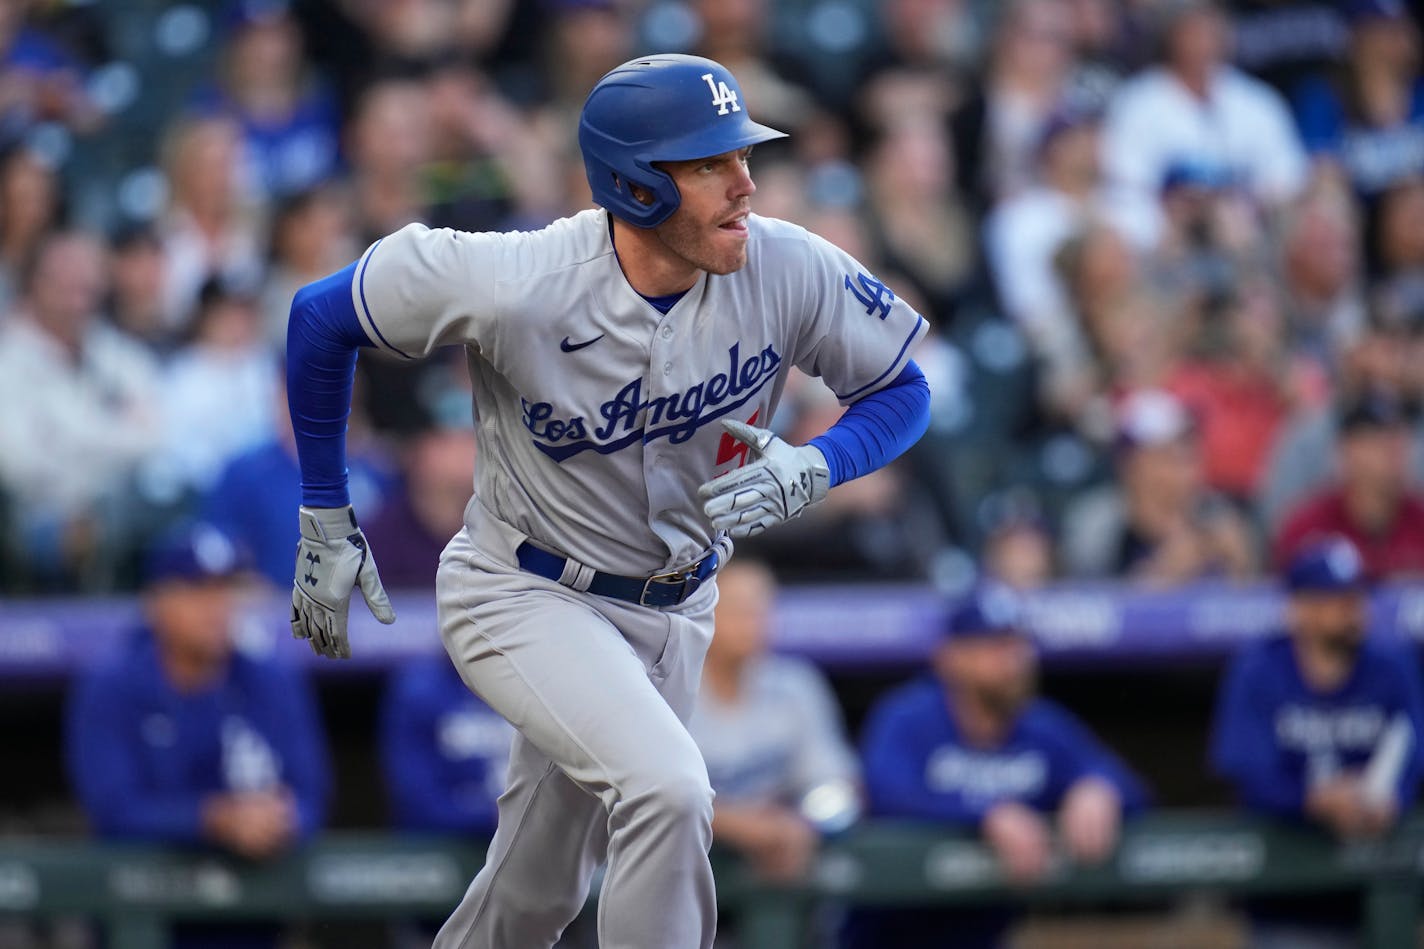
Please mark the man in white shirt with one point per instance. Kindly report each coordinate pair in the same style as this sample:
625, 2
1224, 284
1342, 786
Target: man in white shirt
77, 412
1024, 233
1195, 107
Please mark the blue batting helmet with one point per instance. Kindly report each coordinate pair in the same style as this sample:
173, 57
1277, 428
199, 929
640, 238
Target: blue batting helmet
668, 107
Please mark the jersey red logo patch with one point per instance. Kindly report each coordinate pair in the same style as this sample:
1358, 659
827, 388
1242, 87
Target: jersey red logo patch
729, 448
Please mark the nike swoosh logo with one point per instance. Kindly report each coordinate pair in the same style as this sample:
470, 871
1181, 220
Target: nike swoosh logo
569, 347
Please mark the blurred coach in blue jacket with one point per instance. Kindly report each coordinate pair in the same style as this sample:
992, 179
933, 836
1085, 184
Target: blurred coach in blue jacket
1321, 724
443, 751
971, 745
180, 738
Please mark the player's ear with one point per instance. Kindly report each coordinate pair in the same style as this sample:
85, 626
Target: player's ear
640, 194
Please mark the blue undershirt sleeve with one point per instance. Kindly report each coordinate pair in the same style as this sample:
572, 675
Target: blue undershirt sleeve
879, 428
323, 335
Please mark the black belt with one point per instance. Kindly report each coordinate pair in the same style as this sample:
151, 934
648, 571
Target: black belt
662, 590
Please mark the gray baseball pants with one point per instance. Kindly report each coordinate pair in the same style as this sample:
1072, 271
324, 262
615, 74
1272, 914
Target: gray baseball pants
602, 767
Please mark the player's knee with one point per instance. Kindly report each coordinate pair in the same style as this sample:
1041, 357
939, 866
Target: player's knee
678, 795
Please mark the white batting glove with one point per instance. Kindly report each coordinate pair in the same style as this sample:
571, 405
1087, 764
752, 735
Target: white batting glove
332, 558
779, 484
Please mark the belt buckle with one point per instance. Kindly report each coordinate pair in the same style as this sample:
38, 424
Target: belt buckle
683, 577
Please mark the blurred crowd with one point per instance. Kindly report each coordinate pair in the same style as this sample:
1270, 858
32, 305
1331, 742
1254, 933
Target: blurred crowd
1172, 251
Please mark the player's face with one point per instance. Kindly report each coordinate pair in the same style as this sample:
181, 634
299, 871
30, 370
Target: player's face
709, 228
1334, 622
997, 671
193, 619
744, 602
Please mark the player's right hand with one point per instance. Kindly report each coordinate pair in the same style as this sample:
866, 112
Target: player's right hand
332, 559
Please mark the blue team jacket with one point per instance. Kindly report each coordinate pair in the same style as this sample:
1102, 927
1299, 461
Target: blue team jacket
918, 766
143, 757
1272, 732
443, 751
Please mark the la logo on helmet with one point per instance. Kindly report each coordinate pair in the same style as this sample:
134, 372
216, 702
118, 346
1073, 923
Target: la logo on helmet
722, 95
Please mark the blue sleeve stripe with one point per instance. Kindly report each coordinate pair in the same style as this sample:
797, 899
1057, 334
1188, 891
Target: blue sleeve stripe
368, 320
878, 428
914, 334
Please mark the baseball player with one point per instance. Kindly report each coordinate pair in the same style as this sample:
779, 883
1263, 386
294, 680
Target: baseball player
623, 362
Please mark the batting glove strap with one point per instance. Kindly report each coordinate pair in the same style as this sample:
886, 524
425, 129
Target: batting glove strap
333, 558
778, 484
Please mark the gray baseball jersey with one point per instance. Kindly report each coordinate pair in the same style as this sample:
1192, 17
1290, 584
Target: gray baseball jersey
596, 412
782, 739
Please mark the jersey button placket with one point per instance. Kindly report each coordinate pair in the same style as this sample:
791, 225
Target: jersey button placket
655, 469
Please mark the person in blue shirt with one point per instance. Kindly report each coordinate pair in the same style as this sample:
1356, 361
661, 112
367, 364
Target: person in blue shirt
971, 745
179, 738
290, 118
444, 753
1367, 118
1321, 725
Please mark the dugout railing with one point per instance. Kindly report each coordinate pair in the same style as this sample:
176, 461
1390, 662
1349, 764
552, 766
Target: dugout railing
133, 892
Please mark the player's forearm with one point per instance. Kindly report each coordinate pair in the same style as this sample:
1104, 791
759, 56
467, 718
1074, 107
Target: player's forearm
878, 428
323, 335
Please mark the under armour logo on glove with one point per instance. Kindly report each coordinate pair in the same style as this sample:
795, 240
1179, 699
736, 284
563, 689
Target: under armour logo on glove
777, 485
337, 559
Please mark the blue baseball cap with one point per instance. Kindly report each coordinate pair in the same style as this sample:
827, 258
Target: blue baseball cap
193, 552
1327, 565
991, 609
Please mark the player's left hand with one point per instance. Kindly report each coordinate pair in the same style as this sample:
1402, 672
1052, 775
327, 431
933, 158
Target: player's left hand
333, 558
778, 484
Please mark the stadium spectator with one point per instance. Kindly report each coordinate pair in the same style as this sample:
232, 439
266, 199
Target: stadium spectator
136, 282
973, 747
997, 128
1018, 546
1322, 724
1372, 503
428, 508
179, 737
1377, 363
1158, 524
1212, 237
78, 412
583, 39
40, 81
310, 237
207, 230
1195, 107
1122, 336
1023, 233
1365, 120
1396, 254
1320, 267
288, 118
772, 736
389, 138
926, 51
444, 753
216, 393
30, 207
1235, 384
918, 224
